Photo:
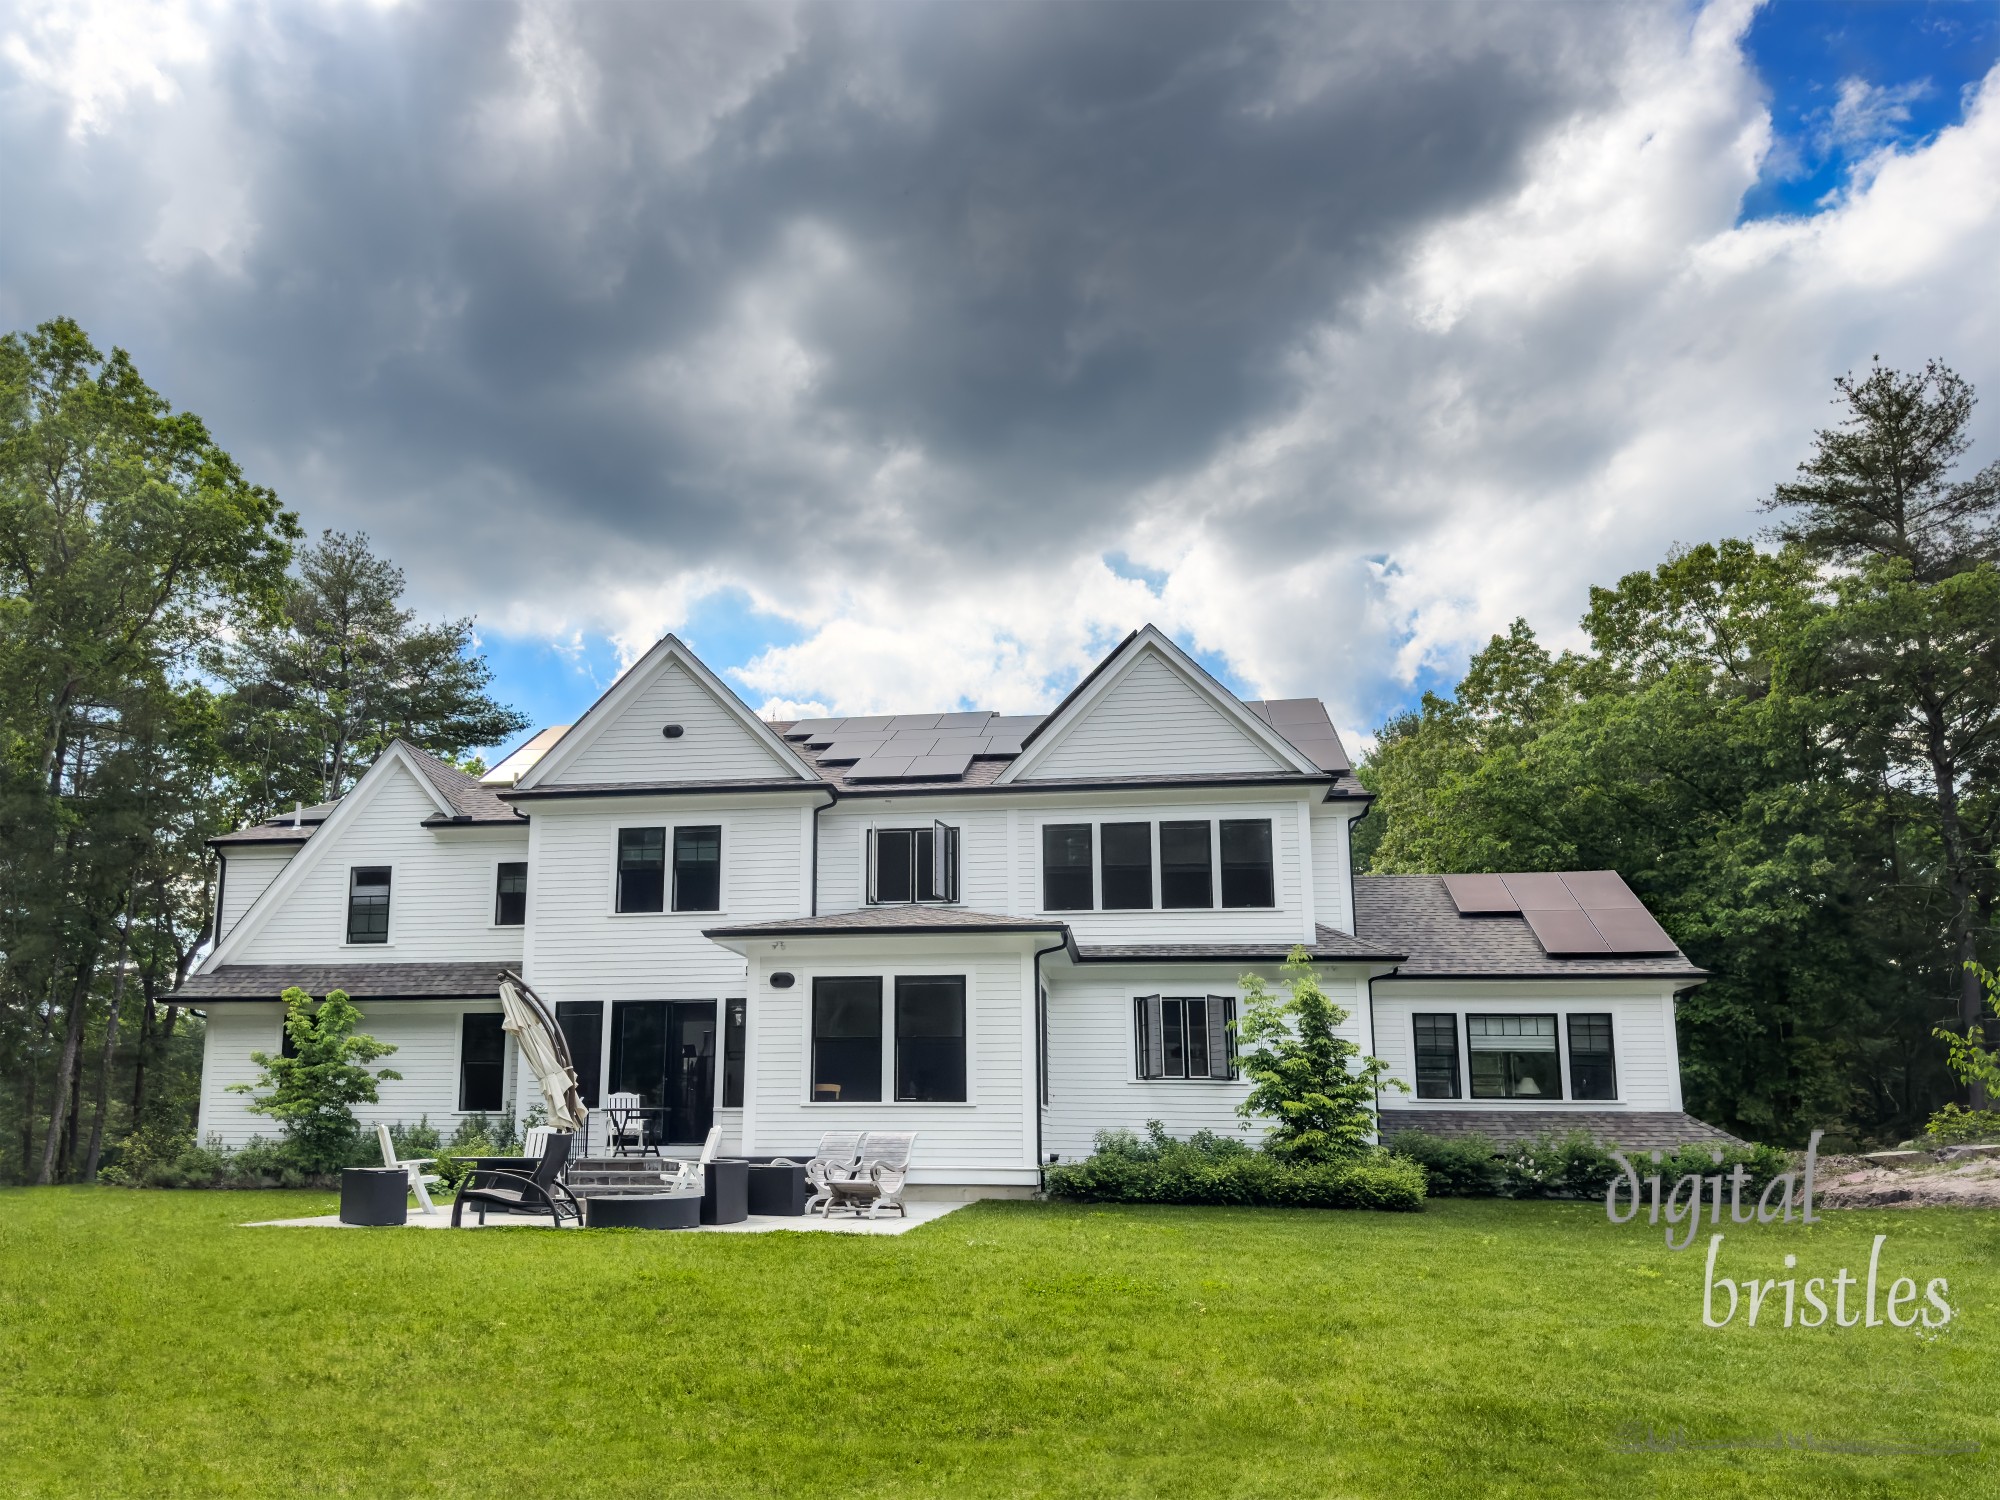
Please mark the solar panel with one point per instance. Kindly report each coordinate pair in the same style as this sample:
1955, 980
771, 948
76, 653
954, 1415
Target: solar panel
974, 720
1631, 930
1600, 890
1565, 932
1480, 895
850, 748
881, 768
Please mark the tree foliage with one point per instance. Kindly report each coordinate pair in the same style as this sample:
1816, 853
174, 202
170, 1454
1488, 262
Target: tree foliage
312, 1092
1312, 1083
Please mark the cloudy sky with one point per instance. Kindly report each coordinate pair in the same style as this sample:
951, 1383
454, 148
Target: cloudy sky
904, 356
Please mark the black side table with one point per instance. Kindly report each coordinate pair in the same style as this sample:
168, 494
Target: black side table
725, 1192
777, 1191
642, 1211
376, 1196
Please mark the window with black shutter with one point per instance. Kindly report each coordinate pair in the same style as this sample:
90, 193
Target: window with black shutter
510, 897
1185, 1037
1437, 1056
368, 904
482, 1063
1593, 1072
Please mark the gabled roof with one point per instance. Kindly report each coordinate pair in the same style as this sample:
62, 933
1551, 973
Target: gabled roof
668, 650
1140, 645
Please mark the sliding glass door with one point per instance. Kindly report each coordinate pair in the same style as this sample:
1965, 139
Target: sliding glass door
664, 1051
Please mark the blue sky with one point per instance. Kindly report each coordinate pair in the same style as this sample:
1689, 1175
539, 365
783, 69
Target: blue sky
904, 357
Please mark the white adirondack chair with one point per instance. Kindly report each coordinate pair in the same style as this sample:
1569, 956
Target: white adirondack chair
683, 1176
420, 1181
875, 1181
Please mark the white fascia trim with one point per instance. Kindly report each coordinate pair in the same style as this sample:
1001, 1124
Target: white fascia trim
584, 732
1190, 670
345, 811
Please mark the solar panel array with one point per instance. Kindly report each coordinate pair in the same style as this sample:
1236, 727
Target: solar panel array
910, 747
1577, 914
1304, 724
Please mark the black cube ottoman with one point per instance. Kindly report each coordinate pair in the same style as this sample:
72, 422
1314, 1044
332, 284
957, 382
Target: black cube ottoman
642, 1211
778, 1192
725, 1192
375, 1196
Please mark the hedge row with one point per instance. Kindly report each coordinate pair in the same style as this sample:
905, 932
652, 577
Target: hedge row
1228, 1173
1562, 1166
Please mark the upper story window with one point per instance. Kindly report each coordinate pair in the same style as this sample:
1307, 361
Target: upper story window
913, 864
510, 896
697, 869
1197, 859
368, 904
1513, 1057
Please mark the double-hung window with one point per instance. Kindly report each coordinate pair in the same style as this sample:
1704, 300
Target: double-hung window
847, 1040
1198, 859
927, 1030
1185, 1036
643, 868
1127, 877
735, 1032
1593, 1072
1186, 876
1437, 1056
510, 896
1246, 862
930, 1038
1513, 1057
1066, 878
482, 1062
368, 904
913, 864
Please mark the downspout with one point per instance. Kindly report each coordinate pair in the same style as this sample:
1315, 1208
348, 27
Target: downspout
221, 885
831, 797
1041, 1083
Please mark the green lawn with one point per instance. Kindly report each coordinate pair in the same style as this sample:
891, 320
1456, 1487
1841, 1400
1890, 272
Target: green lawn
150, 1347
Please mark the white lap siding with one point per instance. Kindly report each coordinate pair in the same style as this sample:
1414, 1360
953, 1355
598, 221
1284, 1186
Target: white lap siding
1092, 1054
1645, 1053
1333, 883
250, 869
441, 894
425, 1034
989, 1139
1153, 721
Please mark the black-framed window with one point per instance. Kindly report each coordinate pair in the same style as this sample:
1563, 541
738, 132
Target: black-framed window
913, 864
510, 894
930, 1038
1437, 1056
1513, 1057
847, 1040
582, 1025
482, 1062
1187, 1036
1066, 883
1186, 878
1127, 880
698, 869
1246, 862
368, 904
1593, 1070
735, 1033
642, 869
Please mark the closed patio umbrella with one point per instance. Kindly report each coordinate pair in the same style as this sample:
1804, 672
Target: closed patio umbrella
541, 1042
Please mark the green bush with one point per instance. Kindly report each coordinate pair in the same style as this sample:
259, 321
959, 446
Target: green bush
1952, 1126
1465, 1166
1565, 1166
1212, 1169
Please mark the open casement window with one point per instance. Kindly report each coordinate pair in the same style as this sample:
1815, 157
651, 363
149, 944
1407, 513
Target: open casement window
912, 864
1513, 1057
1437, 1056
1185, 1036
368, 904
1593, 1071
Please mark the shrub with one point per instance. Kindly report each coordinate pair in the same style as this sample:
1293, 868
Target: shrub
1565, 1166
1311, 1082
1466, 1166
1212, 1169
1952, 1126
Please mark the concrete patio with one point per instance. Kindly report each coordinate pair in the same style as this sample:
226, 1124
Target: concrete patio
920, 1212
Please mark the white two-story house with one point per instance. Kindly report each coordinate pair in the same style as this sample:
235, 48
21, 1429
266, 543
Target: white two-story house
1006, 933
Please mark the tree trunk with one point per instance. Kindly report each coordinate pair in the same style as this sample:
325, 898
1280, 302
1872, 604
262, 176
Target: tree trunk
72, 1042
139, 1062
110, 1041
1958, 881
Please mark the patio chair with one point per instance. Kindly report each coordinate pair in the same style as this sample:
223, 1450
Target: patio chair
624, 1129
420, 1181
837, 1152
539, 1192
875, 1181
683, 1176
535, 1140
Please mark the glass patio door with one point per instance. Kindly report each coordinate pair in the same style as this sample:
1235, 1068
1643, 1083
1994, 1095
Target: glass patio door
664, 1051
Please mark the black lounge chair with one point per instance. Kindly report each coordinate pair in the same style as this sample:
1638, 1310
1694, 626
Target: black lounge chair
539, 1192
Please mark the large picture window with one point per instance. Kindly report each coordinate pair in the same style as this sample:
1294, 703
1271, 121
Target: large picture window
913, 864
1066, 867
482, 1063
510, 895
368, 904
1186, 878
1246, 862
1513, 1057
1128, 866
1593, 1071
847, 1040
642, 869
698, 869
930, 1038
1185, 1036
1437, 1056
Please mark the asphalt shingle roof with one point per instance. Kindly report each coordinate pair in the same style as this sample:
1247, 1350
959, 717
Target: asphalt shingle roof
1415, 915
449, 981
889, 919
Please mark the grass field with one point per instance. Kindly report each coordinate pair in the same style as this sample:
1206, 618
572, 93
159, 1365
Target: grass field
150, 1347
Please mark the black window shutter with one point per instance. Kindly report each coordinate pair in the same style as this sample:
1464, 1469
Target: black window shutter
1221, 1037
871, 857
1152, 1039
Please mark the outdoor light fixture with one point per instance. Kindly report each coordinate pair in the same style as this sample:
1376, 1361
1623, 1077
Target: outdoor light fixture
672, 731
782, 980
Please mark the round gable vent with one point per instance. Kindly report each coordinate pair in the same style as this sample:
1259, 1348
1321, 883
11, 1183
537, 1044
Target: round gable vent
673, 731
782, 980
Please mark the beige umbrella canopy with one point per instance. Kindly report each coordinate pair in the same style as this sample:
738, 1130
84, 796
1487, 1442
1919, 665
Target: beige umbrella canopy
541, 1042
